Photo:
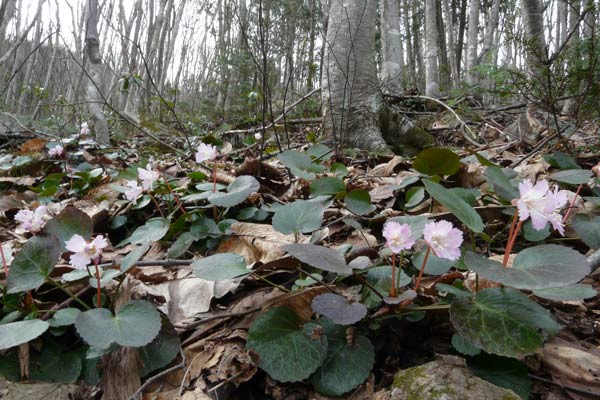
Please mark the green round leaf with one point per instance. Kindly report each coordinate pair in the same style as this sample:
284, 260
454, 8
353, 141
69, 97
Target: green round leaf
414, 196
20, 332
135, 325
44, 365
237, 192
328, 186
152, 231
71, 221
319, 257
532, 234
502, 321
539, 267
359, 202
573, 176
300, 164
320, 151
288, 351
338, 309
588, 229
457, 206
181, 245
161, 351
301, 216
437, 161
567, 293
347, 364
220, 266
134, 256
64, 317
463, 346
33, 263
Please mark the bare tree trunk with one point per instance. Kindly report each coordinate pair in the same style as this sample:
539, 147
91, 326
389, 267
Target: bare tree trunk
411, 64
533, 24
432, 85
350, 92
391, 47
92, 50
570, 104
451, 30
8, 54
472, 42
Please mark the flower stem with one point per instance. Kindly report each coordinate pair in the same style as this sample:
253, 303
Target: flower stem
175, 197
157, 205
393, 289
4, 263
99, 292
572, 204
71, 295
511, 243
215, 177
423, 267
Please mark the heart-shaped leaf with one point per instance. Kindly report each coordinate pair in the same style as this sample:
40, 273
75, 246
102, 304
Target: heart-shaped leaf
71, 221
44, 366
16, 333
463, 346
414, 196
539, 267
437, 161
64, 317
32, 265
288, 350
502, 321
300, 164
319, 151
152, 231
347, 364
136, 324
572, 176
328, 186
319, 257
237, 192
588, 229
359, 202
301, 216
162, 350
220, 267
337, 309
457, 206
534, 235
567, 293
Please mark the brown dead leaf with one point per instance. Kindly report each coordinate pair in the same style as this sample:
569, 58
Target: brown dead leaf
19, 180
386, 169
470, 175
256, 242
35, 145
573, 365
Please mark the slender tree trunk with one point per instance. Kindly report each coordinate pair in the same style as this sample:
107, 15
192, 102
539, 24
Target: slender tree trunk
571, 104
451, 33
350, 94
391, 47
472, 42
411, 64
432, 85
533, 24
92, 50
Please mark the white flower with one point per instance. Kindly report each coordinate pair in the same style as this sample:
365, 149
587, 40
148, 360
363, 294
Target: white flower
32, 221
134, 191
206, 152
258, 136
56, 151
148, 176
541, 204
444, 239
397, 236
85, 252
85, 129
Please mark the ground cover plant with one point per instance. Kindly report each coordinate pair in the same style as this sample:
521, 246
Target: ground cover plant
322, 270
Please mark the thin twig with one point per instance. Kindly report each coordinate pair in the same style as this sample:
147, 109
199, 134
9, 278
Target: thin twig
158, 376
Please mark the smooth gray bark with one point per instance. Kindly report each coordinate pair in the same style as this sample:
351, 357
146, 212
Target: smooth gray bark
350, 91
391, 47
432, 85
472, 32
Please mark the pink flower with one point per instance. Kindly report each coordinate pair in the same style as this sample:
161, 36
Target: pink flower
134, 191
85, 129
541, 204
596, 169
444, 239
84, 252
148, 176
56, 151
397, 236
32, 221
206, 152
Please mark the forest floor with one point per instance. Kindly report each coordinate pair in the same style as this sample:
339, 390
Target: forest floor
211, 319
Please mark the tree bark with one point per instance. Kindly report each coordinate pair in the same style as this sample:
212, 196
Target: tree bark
92, 50
391, 47
432, 85
350, 92
472, 42
533, 23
